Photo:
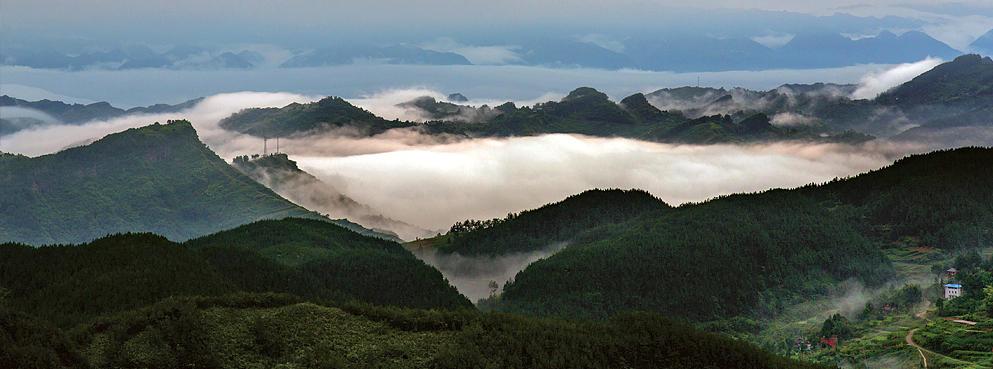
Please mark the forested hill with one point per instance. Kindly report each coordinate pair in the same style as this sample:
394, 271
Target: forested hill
965, 83
543, 227
158, 178
311, 259
140, 300
367, 268
327, 114
955, 99
940, 199
754, 254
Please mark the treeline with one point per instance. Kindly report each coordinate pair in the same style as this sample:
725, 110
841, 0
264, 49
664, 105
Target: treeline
271, 330
940, 200
553, 223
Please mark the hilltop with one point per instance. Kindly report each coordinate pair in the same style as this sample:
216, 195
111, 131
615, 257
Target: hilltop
159, 178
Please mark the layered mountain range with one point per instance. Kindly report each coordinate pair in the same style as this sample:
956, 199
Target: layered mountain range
701, 52
953, 94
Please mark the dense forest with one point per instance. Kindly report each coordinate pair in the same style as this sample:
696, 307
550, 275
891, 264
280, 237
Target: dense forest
159, 178
313, 259
537, 229
367, 268
140, 300
743, 255
940, 200
277, 330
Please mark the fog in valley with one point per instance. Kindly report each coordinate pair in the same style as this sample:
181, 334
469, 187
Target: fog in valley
430, 182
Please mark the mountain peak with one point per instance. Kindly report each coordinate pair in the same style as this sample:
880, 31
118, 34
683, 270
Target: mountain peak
159, 178
583, 92
887, 35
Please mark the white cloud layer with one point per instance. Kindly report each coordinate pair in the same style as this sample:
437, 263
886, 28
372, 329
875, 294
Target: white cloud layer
874, 84
434, 186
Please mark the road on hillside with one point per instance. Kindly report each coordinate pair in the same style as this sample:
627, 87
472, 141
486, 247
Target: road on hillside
920, 350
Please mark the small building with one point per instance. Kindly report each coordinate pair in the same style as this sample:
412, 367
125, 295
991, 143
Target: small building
951, 272
952, 291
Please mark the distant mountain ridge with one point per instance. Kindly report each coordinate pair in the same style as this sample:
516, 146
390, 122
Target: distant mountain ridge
362, 54
963, 86
131, 57
159, 178
676, 52
78, 113
583, 111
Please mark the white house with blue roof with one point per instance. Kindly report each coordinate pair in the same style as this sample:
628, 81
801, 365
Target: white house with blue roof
952, 291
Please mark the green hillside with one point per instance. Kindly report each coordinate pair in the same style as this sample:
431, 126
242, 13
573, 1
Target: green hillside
140, 300
295, 241
68, 284
966, 82
158, 179
736, 256
752, 255
939, 200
